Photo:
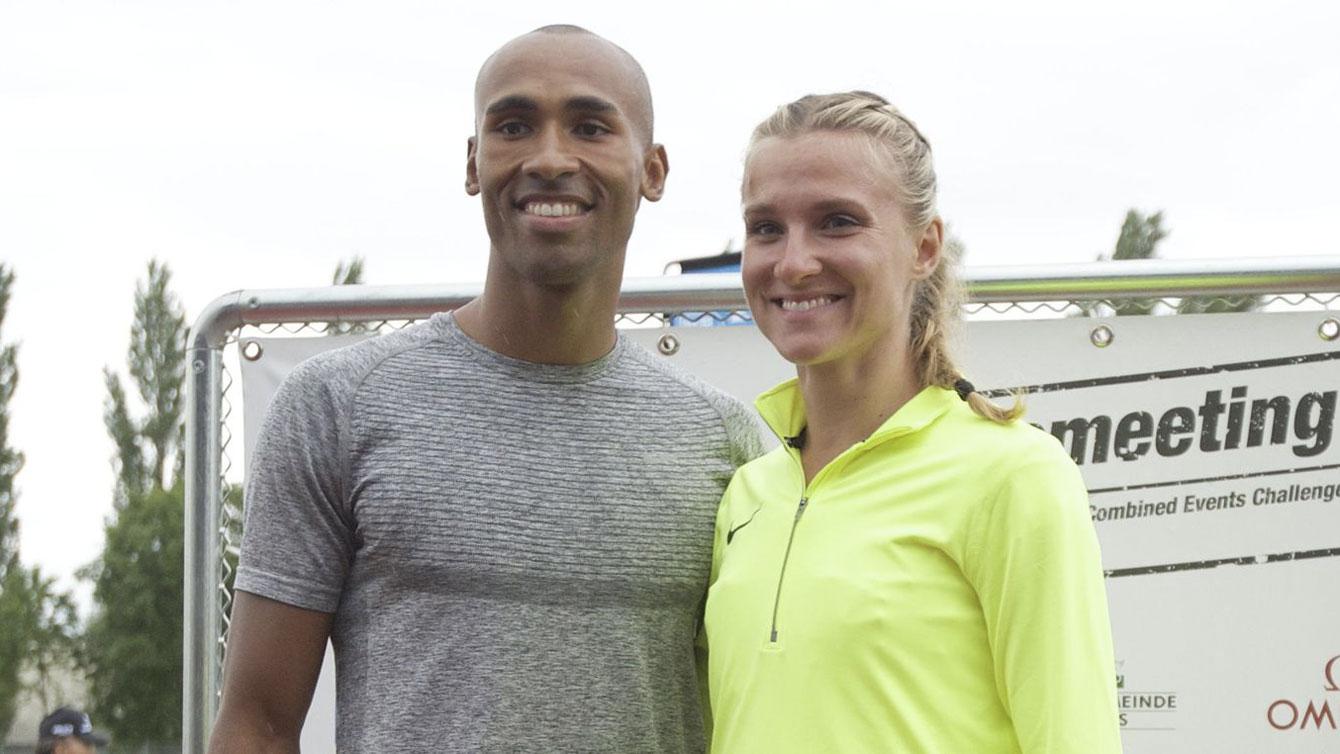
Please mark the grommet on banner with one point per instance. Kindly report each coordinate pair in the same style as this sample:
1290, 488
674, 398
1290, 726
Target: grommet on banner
1329, 329
251, 350
668, 345
1101, 336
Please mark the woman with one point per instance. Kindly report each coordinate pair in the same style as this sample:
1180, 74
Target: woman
913, 570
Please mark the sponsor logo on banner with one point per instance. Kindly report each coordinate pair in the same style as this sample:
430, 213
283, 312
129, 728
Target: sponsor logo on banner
1316, 712
1144, 710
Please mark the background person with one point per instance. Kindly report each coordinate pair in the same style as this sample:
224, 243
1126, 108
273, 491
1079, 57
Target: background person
67, 731
912, 570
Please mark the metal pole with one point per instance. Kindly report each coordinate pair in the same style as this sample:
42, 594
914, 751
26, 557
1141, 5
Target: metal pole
1088, 281
1154, 278
201, 618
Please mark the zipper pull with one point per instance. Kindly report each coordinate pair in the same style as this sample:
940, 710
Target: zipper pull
800, 509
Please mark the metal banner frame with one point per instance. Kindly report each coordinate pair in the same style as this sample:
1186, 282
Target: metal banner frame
212, 518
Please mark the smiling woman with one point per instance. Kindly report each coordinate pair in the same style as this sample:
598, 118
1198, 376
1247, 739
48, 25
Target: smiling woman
912, 570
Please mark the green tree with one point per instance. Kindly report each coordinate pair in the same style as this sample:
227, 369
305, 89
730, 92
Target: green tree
38, 620
1139, 239
155, 362
347, 273
135, 640
133, 643
15, 613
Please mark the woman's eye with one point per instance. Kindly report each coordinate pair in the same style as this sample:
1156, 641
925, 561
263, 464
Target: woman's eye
764, 228
839, 221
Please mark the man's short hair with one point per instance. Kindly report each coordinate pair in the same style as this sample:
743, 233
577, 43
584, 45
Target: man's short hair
644, 117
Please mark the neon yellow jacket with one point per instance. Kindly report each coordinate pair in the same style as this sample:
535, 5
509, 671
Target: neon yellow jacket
936, 588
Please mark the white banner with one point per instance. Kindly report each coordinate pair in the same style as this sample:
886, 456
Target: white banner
1207, 443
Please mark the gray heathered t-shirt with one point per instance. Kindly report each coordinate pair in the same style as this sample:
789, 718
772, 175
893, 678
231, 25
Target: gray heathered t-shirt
516, 554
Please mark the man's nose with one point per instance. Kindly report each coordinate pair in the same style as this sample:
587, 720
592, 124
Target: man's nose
553, 157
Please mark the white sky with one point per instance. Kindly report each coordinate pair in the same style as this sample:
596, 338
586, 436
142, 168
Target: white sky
255, 144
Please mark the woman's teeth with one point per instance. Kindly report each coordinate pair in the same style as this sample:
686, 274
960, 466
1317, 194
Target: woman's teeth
801, 305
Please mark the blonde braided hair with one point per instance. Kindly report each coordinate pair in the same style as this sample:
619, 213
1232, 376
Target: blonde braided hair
936, 300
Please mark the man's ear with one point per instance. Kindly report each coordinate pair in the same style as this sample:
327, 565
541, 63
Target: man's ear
471, 170
654, 169
930, 248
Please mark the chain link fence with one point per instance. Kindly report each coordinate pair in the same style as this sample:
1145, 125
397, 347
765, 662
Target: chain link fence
214, 494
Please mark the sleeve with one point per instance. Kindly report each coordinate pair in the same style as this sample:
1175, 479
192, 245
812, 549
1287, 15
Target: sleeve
1035, 565
742, 428
700, 648
297, 541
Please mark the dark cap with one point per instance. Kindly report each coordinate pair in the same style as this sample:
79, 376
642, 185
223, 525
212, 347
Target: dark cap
68, 722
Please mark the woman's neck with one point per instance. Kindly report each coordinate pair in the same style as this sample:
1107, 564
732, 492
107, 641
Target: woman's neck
847, 400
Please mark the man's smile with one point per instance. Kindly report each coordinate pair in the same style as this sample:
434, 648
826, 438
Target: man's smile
553, 209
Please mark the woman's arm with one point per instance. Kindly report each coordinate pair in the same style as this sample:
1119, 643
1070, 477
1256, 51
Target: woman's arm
1037, 571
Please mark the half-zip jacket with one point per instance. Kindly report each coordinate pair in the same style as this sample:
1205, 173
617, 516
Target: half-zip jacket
935, 588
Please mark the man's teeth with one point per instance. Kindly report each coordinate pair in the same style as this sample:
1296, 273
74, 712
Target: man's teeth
553, 210
793, 305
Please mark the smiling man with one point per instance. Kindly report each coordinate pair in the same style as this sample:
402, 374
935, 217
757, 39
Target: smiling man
501, 517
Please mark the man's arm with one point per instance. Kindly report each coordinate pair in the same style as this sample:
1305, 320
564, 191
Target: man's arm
274, 658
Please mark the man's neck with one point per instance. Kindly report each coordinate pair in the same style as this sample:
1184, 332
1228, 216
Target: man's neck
543, 324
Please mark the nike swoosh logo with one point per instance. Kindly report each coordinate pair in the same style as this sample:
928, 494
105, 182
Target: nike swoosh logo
731, 534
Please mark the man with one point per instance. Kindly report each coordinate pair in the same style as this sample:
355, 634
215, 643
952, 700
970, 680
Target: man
67, 731
501, 517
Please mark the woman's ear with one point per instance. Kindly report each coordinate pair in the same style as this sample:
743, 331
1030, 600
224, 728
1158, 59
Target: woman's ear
930, 248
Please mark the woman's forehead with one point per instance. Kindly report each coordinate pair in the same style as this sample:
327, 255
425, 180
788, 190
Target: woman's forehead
816, 165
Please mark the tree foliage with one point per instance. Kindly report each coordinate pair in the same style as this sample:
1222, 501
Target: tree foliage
156, 364
1139, 239
14, 613
134, 640
11, 460
347, 273
37, 622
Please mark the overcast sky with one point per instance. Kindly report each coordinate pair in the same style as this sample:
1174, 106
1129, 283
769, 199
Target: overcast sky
255, 144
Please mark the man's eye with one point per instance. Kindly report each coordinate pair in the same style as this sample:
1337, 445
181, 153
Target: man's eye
513, 128
590, 129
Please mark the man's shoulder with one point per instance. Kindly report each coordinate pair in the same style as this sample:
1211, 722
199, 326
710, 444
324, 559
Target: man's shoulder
658, 373
672, 384
338, 372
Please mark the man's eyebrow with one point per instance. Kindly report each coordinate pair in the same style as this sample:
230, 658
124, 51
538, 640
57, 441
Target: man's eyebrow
512, 103
590, 105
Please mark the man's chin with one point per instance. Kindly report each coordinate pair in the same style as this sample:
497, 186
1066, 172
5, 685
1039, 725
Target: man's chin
561, 268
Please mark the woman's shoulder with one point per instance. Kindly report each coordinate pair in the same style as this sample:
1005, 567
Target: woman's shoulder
1002, 447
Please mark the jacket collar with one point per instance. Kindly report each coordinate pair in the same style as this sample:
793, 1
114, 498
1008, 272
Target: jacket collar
783, 409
